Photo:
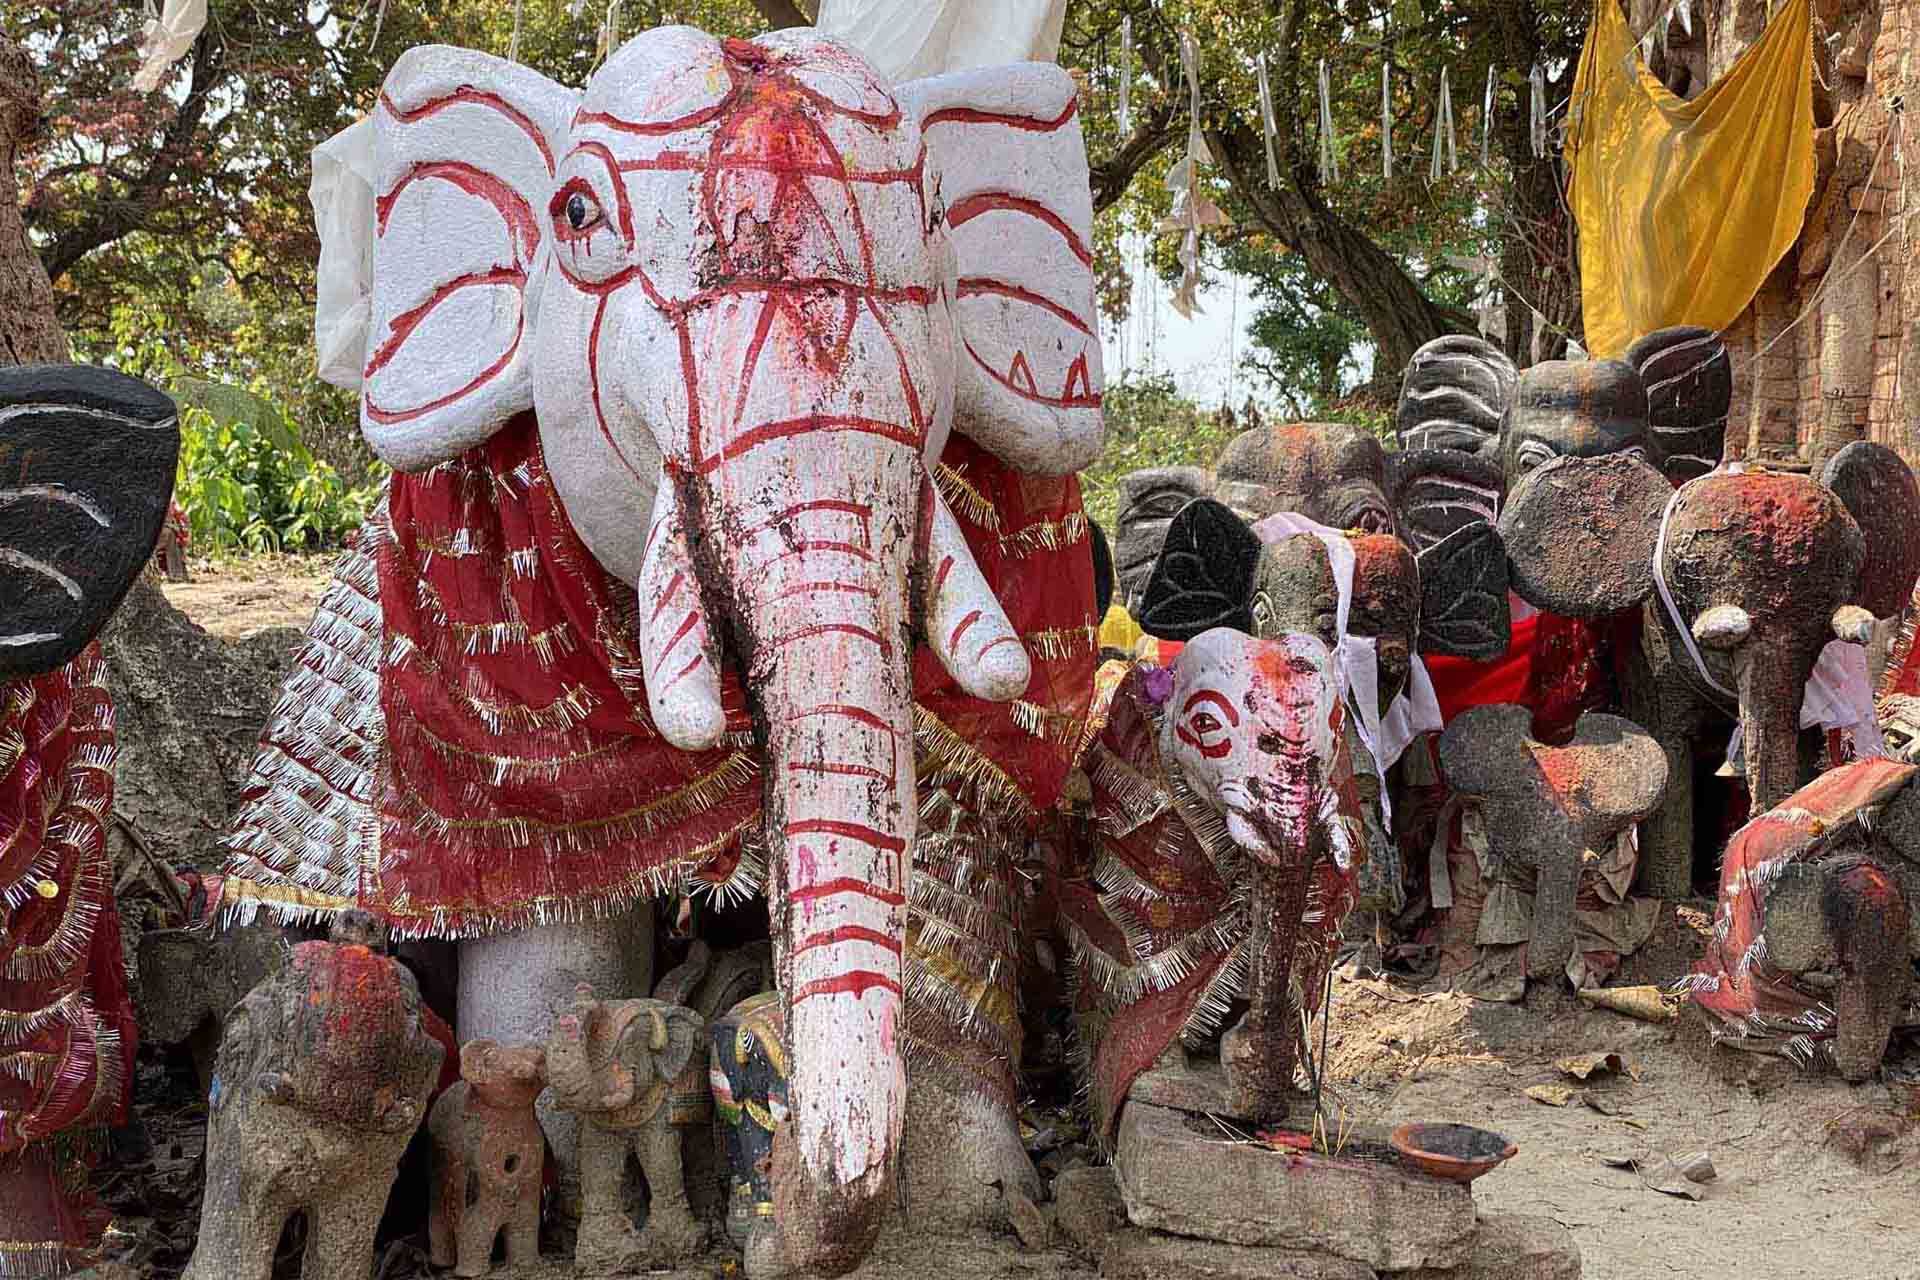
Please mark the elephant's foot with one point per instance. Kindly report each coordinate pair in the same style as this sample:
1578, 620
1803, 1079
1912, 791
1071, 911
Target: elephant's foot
608, 1243
962, 1155
766, 1252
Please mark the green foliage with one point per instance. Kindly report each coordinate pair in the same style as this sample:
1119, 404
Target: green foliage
1150, 424
248, 483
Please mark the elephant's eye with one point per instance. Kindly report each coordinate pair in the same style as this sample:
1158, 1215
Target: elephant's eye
1531, 455
1200, 728
1262, 614
578, 207
1371, 519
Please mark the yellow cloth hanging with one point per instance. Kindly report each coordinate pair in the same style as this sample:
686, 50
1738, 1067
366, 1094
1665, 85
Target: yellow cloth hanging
1685, 207
1118, 630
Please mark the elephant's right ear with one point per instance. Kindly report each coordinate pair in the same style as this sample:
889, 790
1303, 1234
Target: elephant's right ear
89, 457
464, 147
1205, 574
1580, 534
1013, 181
1453, 394
1879, 491
1437, 492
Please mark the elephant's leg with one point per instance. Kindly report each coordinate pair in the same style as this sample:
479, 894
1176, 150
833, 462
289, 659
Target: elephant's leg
1867, 912
523, 1231
672, 1232
446, 1201
607, 1241
511, 984
341, 1227
479, 1228
1657, 699
962, 1142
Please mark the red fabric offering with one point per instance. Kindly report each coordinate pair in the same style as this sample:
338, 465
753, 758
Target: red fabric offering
521, 778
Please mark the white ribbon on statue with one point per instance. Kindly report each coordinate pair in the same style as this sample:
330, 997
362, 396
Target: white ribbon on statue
1415, 711
1839, 692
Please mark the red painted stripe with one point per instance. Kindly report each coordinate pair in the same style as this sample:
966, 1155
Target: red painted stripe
858, 714
1057, 402
940, 578
1212, 697
687, 624
953, 640
593, 380
970, 207
972, 285
747, 441
656, 128
466, 93
857, 983
845, 884
991, 645
1031, 124
837, 628
807, 545
846, 933
904, 296
863, 510
403, 325
854, 830
666, 598
522, 225
684, 672
843, 588
842, 770
389, 416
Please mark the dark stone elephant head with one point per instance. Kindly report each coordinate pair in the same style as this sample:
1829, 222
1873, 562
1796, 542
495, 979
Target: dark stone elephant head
1149, 500
1330, 472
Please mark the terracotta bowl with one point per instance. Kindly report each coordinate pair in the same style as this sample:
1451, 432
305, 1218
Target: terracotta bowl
1456, 1152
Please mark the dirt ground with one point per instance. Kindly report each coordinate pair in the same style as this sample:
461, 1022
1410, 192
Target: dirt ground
1814, 1177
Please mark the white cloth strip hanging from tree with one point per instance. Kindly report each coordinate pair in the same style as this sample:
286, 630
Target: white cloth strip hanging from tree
165, 40
1386, 119
1266, 122
1685, 10
1486, 122
1192, 210
1443, 136
513, 45
1329, 152
1537, 81
1126, 77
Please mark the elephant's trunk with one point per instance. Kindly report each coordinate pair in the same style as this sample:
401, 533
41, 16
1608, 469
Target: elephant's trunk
820, 579
1770, 691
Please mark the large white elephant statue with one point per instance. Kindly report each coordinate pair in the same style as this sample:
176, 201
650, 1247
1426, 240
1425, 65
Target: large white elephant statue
715, 392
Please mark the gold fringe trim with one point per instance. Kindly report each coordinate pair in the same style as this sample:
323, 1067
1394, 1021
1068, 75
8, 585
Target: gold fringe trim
1056, 644
945, 758
1047, 535
498, 637
733, 773
1052, 726
965, 500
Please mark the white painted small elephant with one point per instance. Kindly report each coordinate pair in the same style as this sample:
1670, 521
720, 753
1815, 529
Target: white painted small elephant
621, 1066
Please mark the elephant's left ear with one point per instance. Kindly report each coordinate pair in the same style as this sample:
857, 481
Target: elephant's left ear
1879, 491
464, 150
1013, 183
1464, 611
88, 455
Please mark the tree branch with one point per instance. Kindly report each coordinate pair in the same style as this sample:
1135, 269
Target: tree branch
781, 14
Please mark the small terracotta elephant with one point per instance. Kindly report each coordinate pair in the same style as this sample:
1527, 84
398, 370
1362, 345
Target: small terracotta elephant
630, 1069
489, 1154
1546, 806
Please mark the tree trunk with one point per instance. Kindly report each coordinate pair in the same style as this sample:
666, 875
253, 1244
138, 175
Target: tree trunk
29, 334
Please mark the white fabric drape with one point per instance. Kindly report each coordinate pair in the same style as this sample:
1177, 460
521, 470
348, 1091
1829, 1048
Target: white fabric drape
918, 38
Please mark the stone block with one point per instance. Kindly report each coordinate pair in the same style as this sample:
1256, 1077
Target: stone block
1513, 1246
1146, 1255
1176, 1179
1087, 1209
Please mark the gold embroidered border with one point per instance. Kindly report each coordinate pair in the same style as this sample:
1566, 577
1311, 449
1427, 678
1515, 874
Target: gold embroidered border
964, 499
1046, 535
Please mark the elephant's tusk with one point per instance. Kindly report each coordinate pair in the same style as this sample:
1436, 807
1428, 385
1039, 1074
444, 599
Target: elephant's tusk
965, 623
1724, 626
678, 654
1853, 624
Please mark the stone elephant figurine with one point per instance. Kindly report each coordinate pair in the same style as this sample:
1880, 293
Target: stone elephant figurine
629, 1069
1816, 928
489, 1158
1231, 831
813, 361
323, 1075
1547, 806
1743, 579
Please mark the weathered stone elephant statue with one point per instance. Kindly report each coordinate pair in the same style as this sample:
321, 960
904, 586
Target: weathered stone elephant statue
1743, 580
712, 557
90, 469
489, 1156
623, 1067
323, 1076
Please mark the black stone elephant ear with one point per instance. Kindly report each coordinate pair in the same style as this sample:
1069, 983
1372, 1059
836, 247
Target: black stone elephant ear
1580, 534
1879, 492
1437, 492
1464, 611
1204, 576
88, 458
1689, 382
1453, 394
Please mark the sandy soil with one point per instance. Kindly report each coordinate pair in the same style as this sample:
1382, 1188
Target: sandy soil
1815, 1177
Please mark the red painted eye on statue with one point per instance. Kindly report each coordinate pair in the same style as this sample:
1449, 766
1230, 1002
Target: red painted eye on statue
1201, 729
